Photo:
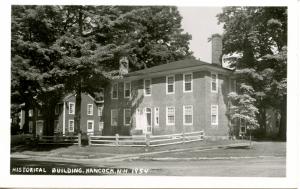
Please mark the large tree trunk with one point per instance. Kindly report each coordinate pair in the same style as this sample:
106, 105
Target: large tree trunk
77, 128
282, 126
262, 119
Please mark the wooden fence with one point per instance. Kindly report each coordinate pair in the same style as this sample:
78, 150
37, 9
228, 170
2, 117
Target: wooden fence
58, 140
145, 140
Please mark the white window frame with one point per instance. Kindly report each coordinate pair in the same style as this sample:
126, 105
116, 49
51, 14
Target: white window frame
71, 113
217, 114
156, 115
56, 110
30, 113
124, 113
112, 91
111, 117
128, 82
167, 120
100, 111
87, 126
167, 84
211, 82
149, 87
191, 82
71, 120
92, 109
184, 114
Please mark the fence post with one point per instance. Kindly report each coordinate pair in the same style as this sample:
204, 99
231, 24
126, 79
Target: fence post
183, 137
117, 139
147, 140
89, 140
79, 139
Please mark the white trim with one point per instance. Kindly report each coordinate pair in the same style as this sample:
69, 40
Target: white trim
30, 114
167, 121
151, 122
167, 84
112, 90
71, 131
211, 82
184, 114
101, 125
126, 82
87, 126
64, 119
92, 109
111, 116
124, 122
191, 82
70, 108
156, 115
217, 114
149, 87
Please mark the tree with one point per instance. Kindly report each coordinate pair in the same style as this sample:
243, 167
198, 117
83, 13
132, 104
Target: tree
257, 36
75, 48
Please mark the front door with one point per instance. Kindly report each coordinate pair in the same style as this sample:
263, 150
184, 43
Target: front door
39, 127
149, 120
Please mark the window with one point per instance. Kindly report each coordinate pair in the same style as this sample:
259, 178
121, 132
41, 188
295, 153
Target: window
149, 119
214, 114
156, 116
214, 82
90, 109
56, 126
242, 127
101, 125
114, 93
90, 126
127, 116
170, 116
56, 111
100, 111
188, 82
114, 117
30, 126
188, 115
30, 113
71, 125
127, 89
170, 84
71, 108
147, 87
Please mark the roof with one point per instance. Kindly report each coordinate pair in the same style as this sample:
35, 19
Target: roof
181, 64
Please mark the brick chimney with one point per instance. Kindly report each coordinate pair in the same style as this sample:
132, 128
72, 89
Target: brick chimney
216, 49
123, 65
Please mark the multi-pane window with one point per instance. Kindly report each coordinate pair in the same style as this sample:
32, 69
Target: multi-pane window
100, 112
127, 116
188, 82
156, 116
214, 114
90, 125
30, 125
30, 113
127, 89
90, 109
114, 92
188, 115
114, 117
71, 125
71, 108
170, 115
147, 87
214, 82
170, 84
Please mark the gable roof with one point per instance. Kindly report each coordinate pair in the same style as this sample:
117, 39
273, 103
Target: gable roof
181, 64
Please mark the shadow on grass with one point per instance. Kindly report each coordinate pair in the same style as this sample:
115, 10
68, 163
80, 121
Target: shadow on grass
38, 147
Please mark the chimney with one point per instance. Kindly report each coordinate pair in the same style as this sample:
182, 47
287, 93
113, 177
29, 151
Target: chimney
216, 49
123, 65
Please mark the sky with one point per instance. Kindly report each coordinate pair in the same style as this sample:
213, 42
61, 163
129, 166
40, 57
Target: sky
201, 23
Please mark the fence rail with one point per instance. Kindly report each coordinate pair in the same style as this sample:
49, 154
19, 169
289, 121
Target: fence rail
58, 140
146, 140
